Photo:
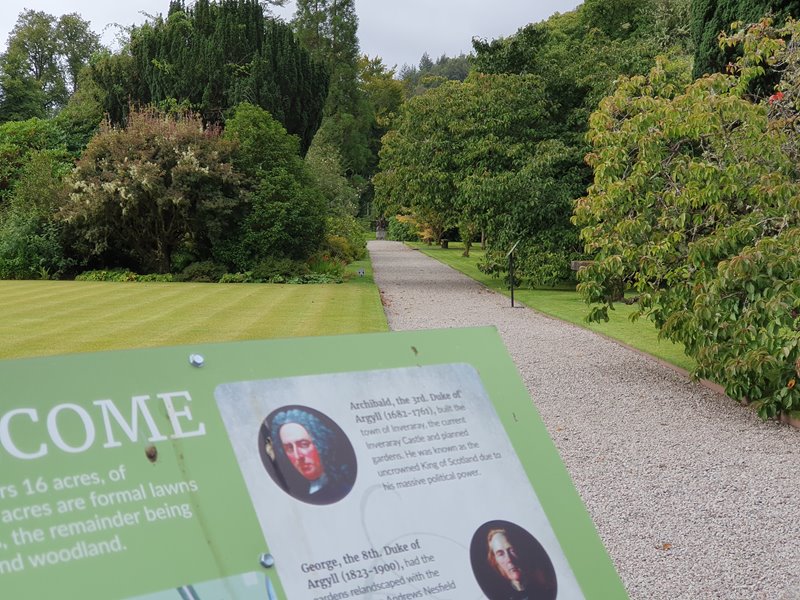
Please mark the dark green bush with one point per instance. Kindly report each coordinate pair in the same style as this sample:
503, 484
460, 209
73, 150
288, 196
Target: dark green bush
202, 272
278, 270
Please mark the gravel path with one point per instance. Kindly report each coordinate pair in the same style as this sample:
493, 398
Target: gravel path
693, 496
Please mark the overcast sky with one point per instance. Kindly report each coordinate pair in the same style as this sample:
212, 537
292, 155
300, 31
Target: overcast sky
398, 31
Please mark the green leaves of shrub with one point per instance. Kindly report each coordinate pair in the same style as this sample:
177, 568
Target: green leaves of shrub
694, 207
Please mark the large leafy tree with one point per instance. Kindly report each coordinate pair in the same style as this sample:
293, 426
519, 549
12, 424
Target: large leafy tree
76, 43
41, 64
576, 56
695, 207
476, 154
142, 193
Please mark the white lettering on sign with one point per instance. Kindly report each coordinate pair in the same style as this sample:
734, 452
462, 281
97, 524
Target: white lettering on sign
180, 418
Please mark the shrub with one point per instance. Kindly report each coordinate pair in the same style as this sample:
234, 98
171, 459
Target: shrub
345, 239
284, 213
139, 193
202, 272
402, 229
119, 275
325, 265
278, 270
246, 277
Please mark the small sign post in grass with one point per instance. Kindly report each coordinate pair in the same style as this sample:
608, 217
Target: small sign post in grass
511, 269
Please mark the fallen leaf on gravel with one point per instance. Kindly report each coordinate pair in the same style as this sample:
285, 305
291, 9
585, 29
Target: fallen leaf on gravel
665, 546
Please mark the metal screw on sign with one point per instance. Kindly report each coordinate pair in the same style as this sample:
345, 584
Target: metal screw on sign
196, 360
267, 560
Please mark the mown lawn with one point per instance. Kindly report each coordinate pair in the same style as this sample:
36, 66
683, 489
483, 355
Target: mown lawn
57, 317
566, 304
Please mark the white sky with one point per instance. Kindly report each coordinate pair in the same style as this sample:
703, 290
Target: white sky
398, 31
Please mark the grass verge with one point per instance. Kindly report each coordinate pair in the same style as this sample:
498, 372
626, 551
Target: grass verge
567, 305
58, 317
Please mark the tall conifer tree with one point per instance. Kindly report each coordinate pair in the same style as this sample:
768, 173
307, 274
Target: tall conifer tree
328, 28
215, 55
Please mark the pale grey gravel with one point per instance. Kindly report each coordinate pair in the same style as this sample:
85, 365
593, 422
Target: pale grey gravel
656, 458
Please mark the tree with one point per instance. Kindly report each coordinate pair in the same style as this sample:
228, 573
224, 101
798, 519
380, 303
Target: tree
118, 82
76, 43
694, 205
328, 28
284, 212
577, 56
80, 119
31, 238
212, 56
615, 18
325, 167
21, 96
709, 18
417, 162
142, 193
476, 155
40, 67
429, 74
425, 62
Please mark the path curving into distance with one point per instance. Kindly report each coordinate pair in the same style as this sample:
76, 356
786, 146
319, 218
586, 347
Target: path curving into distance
693, 496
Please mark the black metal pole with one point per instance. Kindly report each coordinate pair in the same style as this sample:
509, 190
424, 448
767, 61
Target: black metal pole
511, 275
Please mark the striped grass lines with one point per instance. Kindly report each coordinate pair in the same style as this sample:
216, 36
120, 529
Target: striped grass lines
39, 318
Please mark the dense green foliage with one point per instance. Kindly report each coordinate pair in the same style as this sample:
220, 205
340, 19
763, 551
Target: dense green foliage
143, 193
39, 69
709, 18
19, 140
159, 188
475, 155
328, 28
695, 206
503, 153
33, 161
285, 213
213, 56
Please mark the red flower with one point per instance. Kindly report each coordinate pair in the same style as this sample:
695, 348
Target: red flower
776, 97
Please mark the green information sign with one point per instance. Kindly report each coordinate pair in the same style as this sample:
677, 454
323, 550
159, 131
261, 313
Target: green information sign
386, 466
